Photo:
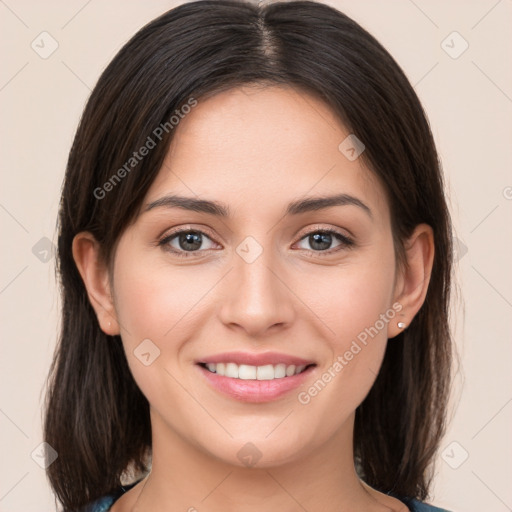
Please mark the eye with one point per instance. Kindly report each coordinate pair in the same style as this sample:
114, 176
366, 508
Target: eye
320, 241
185, 241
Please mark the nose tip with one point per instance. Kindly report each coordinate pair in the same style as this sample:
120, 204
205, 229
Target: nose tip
256, 299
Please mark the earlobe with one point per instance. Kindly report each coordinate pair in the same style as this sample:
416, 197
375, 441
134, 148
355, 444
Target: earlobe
414, 281
95, 276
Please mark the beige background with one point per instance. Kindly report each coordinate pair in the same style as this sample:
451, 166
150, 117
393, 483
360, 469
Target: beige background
469, 103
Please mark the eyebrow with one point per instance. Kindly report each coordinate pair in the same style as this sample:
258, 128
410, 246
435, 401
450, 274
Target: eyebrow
221, 210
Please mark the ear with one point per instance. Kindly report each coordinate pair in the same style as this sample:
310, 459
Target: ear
94, 272
412, 283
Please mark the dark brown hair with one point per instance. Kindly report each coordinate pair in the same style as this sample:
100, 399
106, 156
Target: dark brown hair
96, 417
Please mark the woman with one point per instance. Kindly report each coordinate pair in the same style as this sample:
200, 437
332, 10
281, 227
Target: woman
255, 254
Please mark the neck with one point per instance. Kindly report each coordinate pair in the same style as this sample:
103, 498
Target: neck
188, 478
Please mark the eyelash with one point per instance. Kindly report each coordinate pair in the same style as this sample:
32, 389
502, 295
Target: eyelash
346, 242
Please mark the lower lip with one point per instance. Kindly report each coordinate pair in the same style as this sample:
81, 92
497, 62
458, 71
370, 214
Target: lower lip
255, 391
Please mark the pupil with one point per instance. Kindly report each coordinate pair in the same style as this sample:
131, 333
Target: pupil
323, 238
191, 239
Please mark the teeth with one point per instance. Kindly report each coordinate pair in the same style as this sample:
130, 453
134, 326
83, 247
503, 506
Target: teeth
247, 372
231, 370
279, 371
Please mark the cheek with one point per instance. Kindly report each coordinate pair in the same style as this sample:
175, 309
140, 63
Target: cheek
353, 303
156, 301
156, 307
350, 299
163, 305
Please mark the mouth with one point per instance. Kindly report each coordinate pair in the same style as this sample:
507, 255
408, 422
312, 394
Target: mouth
255, 384
249, 372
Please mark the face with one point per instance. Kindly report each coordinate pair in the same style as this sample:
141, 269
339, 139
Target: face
272, 290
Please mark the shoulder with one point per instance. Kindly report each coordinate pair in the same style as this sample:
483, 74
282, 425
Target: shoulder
104, 504
100, 505
418, 506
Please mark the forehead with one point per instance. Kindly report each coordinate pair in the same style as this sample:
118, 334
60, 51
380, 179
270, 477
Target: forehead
263, 146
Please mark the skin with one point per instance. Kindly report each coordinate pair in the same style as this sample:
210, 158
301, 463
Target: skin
256, 149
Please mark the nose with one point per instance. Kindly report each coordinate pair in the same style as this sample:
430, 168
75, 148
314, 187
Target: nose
257, 297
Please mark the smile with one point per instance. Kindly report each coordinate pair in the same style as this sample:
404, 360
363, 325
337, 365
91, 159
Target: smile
255, 384
248, 372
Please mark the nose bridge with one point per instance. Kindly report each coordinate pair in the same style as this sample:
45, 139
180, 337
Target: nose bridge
256, 299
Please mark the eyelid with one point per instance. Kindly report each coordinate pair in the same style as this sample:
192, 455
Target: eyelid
187, 227
327, 229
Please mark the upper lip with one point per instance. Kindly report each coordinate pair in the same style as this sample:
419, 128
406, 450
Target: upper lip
253, 359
